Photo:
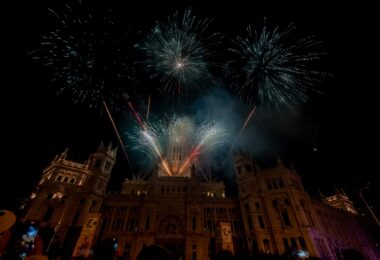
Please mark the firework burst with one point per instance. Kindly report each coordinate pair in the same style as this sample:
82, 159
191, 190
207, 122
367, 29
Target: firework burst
179, 53
87, 55
271, 70
177, 143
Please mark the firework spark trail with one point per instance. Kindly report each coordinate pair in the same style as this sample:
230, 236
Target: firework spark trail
149, 136
179, 53
209, 137
240, 133
271, 70
194, 153
205, 137
117, 134
147, 110
153, 142
137, 116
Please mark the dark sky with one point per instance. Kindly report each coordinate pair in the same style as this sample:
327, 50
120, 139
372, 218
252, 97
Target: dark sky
341, 123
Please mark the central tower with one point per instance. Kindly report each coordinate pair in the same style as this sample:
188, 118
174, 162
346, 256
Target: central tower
179, 157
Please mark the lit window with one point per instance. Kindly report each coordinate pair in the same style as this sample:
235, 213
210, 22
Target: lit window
57, 195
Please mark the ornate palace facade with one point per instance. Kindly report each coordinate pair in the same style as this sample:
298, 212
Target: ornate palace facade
192, 217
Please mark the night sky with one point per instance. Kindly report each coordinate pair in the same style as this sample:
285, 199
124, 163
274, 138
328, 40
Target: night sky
332, 141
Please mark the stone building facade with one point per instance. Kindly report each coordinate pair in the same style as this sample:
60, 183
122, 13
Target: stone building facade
271, 214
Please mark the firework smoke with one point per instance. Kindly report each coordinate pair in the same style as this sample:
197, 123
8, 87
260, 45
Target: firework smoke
177, 142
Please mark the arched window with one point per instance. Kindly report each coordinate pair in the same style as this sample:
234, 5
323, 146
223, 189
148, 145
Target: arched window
281, 182
274, 183
285, 218
266, 246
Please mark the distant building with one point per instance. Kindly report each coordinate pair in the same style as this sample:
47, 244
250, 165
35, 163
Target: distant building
191, 216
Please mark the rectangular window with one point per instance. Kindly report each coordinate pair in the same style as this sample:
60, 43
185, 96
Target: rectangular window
286, 219
48, 214
194, 223
294, 243
286, 243
250, 223
147, 222
107, 166
75, 219
261, 222
302, 243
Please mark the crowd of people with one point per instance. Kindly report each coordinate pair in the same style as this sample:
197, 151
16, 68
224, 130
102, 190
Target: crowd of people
20, 240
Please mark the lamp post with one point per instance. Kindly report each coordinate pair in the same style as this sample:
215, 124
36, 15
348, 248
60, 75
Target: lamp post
366, 204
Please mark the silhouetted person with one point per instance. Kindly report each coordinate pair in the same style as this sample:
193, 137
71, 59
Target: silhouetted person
107, 250
7, 220
153, 252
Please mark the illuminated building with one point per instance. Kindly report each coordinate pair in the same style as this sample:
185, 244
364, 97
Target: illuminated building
340, 200
192, 217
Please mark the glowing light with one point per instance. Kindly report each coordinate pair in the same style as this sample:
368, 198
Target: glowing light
188, 140
179, 53
302, 254
33, 195
84, 58
271, 70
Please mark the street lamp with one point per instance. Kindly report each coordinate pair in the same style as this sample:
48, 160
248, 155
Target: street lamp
366, 204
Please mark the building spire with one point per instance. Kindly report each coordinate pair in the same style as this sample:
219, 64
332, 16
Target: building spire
322, 196
64, 154
279, 162
101, 147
